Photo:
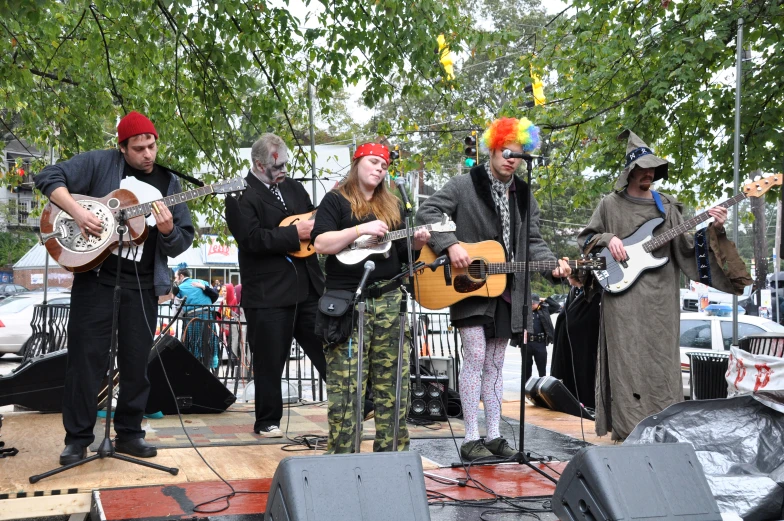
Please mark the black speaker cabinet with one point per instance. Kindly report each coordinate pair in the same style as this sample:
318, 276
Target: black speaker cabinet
428, 399
378, 486
640, 482
196, 389
37, 384
550, 392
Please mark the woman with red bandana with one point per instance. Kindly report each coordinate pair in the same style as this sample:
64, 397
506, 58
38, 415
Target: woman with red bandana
362, 204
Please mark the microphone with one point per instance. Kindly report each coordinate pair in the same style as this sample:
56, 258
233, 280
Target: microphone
508, 154
401, 187
369, 266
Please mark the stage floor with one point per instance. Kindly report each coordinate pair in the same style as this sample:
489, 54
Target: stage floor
39, 440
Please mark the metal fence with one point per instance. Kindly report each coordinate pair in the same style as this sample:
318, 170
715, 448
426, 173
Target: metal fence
217, 336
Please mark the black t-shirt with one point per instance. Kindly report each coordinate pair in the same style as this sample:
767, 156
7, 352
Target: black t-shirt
145, 266
334, 214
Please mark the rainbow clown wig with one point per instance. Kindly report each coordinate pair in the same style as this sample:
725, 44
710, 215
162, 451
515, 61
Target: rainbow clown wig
504, 131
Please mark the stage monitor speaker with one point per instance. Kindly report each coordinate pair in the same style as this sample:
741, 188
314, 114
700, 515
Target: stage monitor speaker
196, 389
550, 392
379, 486
429, 399
37, 384
642, 482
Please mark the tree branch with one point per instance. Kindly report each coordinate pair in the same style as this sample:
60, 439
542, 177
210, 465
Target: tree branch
108, 60
603, 111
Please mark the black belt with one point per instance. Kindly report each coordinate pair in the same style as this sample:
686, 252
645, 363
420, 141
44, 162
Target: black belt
541, 337
377, 291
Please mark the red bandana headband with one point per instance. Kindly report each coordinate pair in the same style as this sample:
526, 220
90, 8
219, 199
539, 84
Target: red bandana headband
372, 149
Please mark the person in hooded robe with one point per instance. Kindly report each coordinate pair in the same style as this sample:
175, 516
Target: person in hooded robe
638, 362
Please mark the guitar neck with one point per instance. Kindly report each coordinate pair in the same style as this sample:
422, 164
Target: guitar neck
495, 268
401, 234
169, 200
664, 238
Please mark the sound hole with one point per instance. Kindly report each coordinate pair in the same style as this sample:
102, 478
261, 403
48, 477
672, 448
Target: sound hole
113, 203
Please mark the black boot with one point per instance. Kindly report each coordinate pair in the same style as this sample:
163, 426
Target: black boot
72, 453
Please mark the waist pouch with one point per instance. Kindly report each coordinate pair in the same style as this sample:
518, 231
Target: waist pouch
335, 317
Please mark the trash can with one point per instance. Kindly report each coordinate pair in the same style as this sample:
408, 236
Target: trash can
708, 372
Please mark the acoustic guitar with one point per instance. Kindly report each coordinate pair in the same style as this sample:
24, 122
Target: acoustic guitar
66, 244
367, 245
639, 246
306, 248
484, 277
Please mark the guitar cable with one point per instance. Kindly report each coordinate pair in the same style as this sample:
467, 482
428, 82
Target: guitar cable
226, 497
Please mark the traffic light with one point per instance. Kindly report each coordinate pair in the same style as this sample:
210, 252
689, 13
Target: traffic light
471, 151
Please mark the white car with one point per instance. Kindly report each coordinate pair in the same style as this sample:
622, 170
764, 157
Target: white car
690, 299
704, 333
16, 313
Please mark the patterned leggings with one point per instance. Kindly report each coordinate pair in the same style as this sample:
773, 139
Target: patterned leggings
483, 361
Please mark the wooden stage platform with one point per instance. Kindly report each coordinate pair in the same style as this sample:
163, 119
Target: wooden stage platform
251, 467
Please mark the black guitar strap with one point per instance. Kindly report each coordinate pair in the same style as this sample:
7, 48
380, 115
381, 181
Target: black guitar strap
702, 253
183, 176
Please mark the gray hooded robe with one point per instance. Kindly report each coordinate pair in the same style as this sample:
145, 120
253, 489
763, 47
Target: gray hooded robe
638, 366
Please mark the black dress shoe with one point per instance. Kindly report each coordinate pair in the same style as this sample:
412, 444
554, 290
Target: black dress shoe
136, 447
72, 453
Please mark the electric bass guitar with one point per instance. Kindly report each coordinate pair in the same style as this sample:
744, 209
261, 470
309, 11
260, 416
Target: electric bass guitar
66, 244
367, 245
620, 276
306, 248
484, 277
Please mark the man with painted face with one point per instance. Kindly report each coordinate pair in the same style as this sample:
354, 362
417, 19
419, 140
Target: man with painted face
280, 292
144, 275
638, 367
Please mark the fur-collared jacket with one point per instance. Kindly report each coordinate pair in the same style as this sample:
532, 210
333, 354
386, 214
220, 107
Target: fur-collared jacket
468, 200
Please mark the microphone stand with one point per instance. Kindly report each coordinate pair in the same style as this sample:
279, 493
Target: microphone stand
106, 448
523, 459
360, 300
402, 332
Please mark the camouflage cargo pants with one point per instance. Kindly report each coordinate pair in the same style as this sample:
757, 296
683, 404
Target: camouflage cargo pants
382, 333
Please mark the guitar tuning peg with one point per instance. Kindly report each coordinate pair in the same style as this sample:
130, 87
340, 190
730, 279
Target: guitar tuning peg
757, 178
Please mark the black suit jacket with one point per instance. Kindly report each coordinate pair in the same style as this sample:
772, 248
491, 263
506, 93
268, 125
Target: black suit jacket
270, 278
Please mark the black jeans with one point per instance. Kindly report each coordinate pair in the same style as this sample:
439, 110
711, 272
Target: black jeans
537, 352
270, 331
89, 342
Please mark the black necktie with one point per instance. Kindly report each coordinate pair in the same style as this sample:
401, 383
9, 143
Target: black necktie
274, 189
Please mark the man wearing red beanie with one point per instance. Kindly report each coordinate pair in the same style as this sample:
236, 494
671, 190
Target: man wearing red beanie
144, 275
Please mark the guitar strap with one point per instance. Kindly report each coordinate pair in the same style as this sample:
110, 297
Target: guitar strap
701, 246
659, 205
701, 252
183, 176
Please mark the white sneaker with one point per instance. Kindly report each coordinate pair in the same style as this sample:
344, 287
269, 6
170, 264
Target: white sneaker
271, 431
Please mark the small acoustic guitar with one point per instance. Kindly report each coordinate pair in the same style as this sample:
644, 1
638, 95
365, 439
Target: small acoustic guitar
306, 248
484, 277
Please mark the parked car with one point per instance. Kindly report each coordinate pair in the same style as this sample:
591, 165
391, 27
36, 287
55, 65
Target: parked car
9, 290
704, 333
690, 299
16, 313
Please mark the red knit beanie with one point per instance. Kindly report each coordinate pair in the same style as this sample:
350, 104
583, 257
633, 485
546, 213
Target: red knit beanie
134, 124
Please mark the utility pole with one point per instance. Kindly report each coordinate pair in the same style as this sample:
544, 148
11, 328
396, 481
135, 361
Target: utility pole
736, 163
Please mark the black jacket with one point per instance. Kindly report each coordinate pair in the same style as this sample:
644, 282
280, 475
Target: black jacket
270, 278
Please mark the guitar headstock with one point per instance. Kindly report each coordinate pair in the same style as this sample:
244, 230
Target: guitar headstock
232, 185
446, 225
761, 184
591, 263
